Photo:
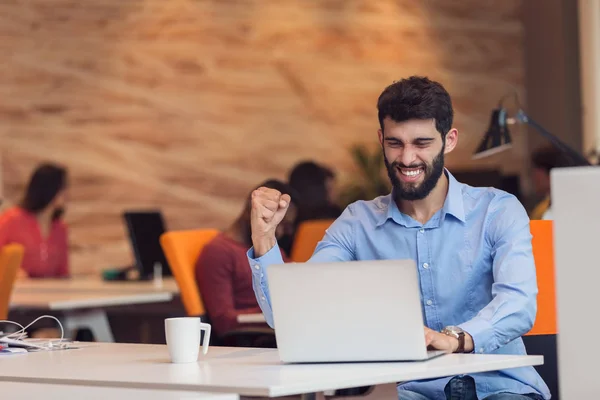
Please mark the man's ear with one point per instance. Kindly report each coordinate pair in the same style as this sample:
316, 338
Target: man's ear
451, 140
380, 135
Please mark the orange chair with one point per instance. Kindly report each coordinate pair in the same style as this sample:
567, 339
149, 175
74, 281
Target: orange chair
182, 249
541, 339
308, 235
543, 253
10, 261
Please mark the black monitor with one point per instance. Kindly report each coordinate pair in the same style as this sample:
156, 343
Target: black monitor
145, 228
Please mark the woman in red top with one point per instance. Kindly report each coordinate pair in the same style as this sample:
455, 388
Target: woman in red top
223, 274
37, 225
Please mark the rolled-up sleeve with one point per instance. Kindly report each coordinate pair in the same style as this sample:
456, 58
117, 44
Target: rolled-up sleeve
511, 313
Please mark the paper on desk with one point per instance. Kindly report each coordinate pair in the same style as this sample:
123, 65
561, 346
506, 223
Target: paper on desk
13, 350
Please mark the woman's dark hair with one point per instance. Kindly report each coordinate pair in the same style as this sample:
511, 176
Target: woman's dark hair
549, 157
416, 97
44, 184
310, 181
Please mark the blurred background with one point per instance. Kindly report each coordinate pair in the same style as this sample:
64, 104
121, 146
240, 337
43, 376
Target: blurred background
185, 105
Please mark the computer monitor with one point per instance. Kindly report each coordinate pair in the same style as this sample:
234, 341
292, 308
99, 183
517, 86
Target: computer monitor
145, 228
575, 199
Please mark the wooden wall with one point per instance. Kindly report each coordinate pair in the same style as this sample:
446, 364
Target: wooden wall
187, 104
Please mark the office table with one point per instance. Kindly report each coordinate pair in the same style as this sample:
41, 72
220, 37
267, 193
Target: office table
244, 371
57, 301
251, 318
82, 300
93, 283
80, 309
20, 390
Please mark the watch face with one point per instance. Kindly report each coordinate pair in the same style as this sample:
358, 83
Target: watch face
453, 329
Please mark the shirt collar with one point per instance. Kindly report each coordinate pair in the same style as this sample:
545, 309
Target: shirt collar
453, 205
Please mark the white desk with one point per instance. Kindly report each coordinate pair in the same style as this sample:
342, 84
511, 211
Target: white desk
92, 291
73, 301
90, 284
81, 309
248, 372
251, 318
19, 390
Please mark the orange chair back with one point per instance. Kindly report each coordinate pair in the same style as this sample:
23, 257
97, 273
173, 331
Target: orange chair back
10, 261
182, 249
308, 235
543, 253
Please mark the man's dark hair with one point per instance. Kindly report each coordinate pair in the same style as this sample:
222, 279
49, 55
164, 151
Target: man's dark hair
416, 98
44, 184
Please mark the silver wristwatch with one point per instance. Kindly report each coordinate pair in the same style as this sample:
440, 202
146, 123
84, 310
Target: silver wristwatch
459, 334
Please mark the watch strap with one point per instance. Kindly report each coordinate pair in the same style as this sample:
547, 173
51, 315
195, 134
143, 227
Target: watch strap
461, 342
457, 333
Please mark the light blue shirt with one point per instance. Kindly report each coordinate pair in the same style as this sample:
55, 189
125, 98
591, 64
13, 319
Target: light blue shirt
476, 270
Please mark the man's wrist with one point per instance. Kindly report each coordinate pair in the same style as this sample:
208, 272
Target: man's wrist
455, 344
262, 245
469, 346
461, 342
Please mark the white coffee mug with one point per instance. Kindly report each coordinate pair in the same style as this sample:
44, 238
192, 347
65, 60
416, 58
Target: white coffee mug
183, 338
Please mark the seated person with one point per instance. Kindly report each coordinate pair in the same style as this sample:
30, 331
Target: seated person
543, 161
315, 185
37, 224
472, 246
222, 268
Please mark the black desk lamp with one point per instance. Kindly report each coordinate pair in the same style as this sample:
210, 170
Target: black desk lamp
497, 137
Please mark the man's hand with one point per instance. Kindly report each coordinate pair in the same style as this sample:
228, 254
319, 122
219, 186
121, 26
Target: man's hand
441, 341
268, 209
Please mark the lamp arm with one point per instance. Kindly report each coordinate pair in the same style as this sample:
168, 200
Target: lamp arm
574, 155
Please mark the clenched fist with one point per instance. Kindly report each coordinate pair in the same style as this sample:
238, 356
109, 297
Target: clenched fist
268, 209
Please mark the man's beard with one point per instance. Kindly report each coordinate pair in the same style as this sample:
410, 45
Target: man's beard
409, 191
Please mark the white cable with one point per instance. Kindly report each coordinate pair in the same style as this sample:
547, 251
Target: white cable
23, 332
14, 323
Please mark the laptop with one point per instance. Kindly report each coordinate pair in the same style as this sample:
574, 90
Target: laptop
356, 311
144, 229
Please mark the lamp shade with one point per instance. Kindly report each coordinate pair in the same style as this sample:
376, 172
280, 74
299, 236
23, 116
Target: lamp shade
497, 137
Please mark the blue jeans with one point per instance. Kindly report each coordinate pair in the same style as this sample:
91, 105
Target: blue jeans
463, 388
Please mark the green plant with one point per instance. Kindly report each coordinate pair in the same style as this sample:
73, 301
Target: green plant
370, 180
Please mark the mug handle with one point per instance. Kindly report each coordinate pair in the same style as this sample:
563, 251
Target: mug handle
206, 328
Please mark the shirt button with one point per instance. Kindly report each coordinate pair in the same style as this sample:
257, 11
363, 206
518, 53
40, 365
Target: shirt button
429, 302
263, 298
421, 230
425, 265
481, 350
256, 266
